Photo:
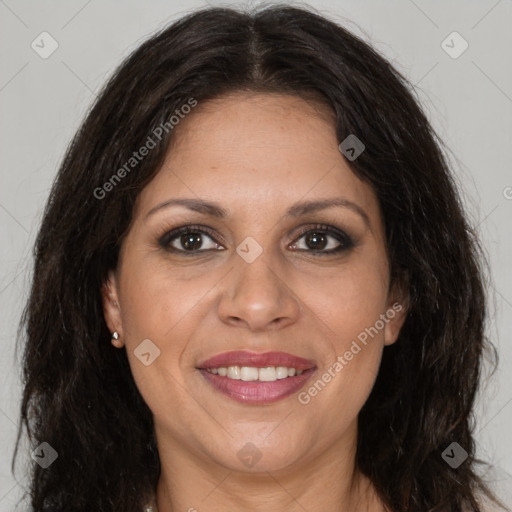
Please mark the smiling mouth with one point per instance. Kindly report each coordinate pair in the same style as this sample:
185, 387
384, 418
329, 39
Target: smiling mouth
251, 373
257, 392
256, 378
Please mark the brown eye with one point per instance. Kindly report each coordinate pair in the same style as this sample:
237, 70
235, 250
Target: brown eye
323, 240
189, 239
316, 241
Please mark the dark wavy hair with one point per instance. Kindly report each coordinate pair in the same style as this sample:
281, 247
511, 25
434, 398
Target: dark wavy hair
79, 394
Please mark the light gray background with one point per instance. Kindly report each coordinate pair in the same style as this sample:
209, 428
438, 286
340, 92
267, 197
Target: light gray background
468, 99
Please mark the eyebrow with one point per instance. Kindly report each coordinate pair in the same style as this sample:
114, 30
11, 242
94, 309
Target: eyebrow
298, 209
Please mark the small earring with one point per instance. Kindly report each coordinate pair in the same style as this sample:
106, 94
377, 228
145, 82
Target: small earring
115, 340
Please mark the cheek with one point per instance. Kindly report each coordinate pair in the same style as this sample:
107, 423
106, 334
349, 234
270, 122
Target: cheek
156, 298
163, 304
349, 300
156, 313
161, 307
348, 306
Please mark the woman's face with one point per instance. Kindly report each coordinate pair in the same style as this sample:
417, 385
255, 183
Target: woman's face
261, 272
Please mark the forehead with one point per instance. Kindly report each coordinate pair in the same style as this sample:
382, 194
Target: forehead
257, 151
240, 121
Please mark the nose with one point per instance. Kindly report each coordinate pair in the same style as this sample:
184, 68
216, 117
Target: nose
257, 297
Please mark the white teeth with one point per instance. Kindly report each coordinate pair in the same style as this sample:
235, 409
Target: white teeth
250, 373
267, 374
234, 372
281, 372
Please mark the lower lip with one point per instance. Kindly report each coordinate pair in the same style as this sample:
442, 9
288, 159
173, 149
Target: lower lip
257, 392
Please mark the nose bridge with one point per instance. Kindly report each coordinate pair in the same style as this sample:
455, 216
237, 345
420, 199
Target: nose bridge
256, 295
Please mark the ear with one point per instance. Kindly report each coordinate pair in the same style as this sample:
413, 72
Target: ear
111, 308
397, 309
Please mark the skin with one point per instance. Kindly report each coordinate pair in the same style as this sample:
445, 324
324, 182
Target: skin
256, 155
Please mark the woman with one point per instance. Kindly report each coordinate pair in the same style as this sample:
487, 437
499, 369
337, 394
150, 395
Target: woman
255, 287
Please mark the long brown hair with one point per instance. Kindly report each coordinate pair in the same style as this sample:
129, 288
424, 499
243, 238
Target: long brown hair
79, 394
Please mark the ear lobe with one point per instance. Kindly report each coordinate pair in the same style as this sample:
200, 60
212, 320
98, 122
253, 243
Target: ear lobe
110, 301
396, 313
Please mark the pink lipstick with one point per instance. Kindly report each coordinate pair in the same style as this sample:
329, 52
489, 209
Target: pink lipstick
257, 378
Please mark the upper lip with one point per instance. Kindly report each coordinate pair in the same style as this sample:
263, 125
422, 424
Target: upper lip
257, 359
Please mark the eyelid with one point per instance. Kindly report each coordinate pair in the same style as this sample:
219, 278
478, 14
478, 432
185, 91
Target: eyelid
344, 239
347, 241
171, 233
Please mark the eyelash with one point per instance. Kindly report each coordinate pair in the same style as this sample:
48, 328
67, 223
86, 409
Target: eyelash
345, 241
